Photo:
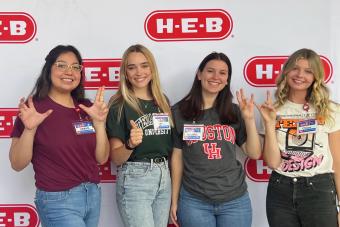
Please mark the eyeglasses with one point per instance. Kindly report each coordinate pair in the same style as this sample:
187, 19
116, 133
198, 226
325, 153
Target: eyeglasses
62, 66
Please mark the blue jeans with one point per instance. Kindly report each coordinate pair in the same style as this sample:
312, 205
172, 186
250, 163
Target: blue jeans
301, 201
194, 212
143, 194
77, 207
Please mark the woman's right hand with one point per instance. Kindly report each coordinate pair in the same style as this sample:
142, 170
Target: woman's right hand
29, 115
136, 135
267, 110
173, 214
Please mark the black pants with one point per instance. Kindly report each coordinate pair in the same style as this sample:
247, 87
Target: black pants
301, 201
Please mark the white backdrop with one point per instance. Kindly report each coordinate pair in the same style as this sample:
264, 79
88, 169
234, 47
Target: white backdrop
180, 34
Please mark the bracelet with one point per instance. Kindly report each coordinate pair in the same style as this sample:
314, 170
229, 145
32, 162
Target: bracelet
127, 146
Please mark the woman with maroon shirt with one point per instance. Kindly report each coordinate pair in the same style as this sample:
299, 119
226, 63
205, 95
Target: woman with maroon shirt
63, 135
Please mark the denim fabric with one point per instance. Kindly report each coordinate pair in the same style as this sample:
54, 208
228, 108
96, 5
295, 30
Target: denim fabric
301, 201
77, 207
143, 194
193, 212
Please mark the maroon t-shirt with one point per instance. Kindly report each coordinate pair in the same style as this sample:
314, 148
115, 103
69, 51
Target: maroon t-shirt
61, 158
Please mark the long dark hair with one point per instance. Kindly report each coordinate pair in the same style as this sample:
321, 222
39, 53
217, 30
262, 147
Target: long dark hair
43, 84
191, 106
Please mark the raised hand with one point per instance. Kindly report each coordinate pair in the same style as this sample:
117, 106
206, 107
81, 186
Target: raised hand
29, 115
99, 110
136, 135
267, 109
246, 106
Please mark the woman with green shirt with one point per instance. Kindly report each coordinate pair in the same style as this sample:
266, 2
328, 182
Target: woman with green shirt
139, 129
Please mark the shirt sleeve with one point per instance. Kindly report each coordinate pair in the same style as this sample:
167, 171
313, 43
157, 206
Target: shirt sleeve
336, 118
116, 128
241, 133
18, 128
177, 131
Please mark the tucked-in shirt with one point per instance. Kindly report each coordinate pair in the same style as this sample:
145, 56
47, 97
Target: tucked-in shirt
61, 158
307, 154
155, 143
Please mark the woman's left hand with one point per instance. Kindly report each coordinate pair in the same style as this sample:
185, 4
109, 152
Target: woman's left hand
246, 106
99, 110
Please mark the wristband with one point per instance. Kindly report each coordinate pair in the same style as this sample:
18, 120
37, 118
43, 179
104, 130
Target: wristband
127, 146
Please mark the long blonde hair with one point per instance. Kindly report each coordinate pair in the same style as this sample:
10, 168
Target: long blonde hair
125, 92
317, 94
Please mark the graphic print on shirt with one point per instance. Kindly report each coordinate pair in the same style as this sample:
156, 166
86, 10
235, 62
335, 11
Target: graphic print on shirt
298, 153
212, 134
145, 122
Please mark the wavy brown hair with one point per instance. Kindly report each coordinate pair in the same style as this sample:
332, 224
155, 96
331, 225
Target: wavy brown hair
317, 94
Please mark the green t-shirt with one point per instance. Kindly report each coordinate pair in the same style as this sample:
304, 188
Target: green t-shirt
156, 143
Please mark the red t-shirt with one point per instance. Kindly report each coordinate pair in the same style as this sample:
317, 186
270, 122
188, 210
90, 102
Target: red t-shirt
61, 158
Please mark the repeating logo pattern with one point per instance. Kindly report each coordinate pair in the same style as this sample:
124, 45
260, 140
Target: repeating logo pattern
16, 27
15, 215
262, 71
188, 25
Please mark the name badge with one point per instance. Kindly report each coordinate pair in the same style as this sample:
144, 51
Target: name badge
193, 132
306, 126
83, 127
160, 121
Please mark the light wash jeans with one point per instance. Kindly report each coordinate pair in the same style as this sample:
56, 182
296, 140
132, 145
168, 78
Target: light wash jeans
77, 207
144, 194
194, 212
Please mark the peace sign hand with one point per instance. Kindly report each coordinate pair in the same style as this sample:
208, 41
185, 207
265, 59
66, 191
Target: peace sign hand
29, 115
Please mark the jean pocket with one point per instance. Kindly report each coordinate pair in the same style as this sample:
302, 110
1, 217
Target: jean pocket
137, 171
323, 185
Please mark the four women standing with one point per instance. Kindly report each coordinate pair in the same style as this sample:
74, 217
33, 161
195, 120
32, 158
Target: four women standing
302, 131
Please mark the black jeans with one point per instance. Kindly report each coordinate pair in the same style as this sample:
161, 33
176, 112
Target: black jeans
301, 201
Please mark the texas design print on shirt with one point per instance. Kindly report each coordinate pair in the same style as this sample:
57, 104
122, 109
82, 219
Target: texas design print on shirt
298, 151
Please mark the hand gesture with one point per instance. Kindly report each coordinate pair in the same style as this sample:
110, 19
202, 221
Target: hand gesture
173, 214
29, 115
246, 106
99, 110
267, 110
136, 135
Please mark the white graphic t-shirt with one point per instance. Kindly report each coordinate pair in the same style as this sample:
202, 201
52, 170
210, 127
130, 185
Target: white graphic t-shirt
303, 140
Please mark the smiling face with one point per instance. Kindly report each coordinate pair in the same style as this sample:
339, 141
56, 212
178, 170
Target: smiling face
300, 77
213, 77
138, 71
65, 80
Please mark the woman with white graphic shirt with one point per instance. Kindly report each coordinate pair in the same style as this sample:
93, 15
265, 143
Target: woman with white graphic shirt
208, 183
302, 143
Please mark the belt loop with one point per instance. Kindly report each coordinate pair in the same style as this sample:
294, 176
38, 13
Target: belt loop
151, 164
165, 162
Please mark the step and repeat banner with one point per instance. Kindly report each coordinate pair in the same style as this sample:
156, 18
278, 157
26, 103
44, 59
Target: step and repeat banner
258, 36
